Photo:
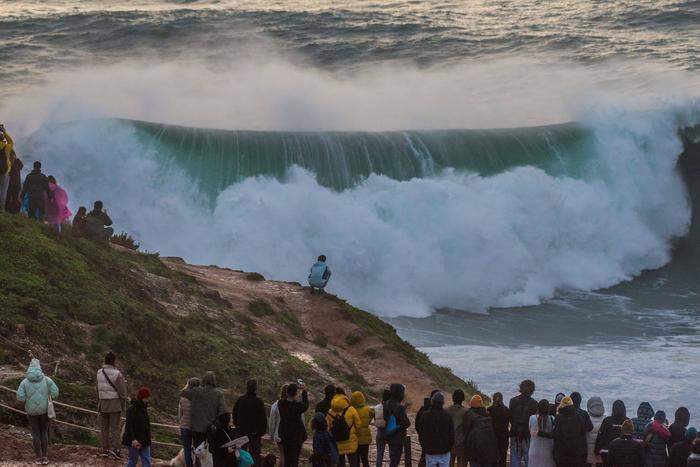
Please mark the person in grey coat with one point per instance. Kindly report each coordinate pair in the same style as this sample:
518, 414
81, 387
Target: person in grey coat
207, 406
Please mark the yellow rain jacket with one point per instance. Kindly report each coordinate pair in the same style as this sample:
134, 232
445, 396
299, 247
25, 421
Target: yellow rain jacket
6, 152
364, 435
338, 404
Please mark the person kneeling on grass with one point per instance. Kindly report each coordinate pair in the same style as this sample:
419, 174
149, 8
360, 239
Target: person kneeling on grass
319, 275
137, 430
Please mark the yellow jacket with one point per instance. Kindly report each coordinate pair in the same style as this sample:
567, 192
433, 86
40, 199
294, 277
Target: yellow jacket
364, 435
338, 404
6, 152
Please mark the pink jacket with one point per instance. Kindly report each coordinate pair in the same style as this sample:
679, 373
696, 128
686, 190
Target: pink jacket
57, 211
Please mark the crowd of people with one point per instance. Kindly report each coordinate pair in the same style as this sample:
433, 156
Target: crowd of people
525, 432
40, 197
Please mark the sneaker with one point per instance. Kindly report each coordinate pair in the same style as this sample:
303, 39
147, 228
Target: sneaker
38, 462
45, 461
115, 454
105, 453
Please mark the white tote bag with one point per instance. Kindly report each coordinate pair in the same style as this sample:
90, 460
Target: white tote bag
50, 410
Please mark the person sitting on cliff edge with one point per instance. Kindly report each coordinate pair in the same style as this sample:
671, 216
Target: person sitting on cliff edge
319, 275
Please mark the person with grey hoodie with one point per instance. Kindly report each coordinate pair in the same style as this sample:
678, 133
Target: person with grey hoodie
596, 411
35, 391
645, 413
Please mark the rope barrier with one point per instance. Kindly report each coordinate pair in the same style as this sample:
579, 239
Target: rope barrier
91, 412
72, 425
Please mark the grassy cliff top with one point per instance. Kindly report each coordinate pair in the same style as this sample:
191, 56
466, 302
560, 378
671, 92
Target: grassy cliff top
70, 301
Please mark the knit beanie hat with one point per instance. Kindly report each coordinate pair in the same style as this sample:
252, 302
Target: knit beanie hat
691, 433
143, 393
660, 416
627, 427
567, 401
476, 401
438, 399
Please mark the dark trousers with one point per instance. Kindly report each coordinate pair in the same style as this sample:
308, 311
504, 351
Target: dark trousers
395, 453
502, 452
292, 451
37, 208
363, 453
40, 434
381, 446
253, 447
353, 460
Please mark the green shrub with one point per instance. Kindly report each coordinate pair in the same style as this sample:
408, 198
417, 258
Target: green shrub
260, 308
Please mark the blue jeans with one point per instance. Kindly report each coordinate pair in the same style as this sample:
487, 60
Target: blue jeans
186, 438
144, 453
395, 453
437, 460
381, 445
518, 451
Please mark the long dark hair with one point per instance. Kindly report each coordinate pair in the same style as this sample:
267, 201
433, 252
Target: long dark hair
543, 414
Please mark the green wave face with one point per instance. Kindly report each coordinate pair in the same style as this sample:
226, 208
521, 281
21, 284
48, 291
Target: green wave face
217, 159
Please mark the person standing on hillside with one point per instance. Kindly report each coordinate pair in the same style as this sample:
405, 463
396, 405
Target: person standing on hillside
207, 406
111, 391
364, 435
397, 423
438, 433
37, 391
427, 403
57, 211
541, 451
625, 451
680, 422
457, 411
645, 413
656, 439
250, 419
521, 408
274, 424
479, 436
585, 419
680, 451
380, 423
320, 275
570, 446
344, 423
36, 186
291, 430
13, 204
137, 430
7, 155
596, 410
184, 415
325, 448
500, 416
610, 429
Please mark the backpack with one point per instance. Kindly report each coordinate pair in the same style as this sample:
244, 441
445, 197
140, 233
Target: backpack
391, 426
482, 442
340, 428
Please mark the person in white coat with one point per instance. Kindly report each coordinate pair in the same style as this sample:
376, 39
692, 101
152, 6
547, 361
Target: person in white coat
596, 410
541, 452
274, 425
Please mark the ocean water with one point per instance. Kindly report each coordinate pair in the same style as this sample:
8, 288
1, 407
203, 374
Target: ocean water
499, 180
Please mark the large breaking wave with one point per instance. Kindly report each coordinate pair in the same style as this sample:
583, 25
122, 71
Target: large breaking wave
411, 221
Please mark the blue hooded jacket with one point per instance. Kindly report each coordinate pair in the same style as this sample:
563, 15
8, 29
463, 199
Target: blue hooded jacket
319, 275
34, 390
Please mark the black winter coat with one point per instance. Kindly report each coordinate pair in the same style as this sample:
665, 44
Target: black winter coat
570, 446
249, 416
499, 416
678, 454
138, 425
219, 437
521, 408
324, 406
677, 430
419, 426
437, 431
480, 442
37, 185
626, 452
611, 428
291, 429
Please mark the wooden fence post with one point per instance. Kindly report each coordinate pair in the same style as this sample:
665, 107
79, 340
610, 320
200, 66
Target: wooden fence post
408, 458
